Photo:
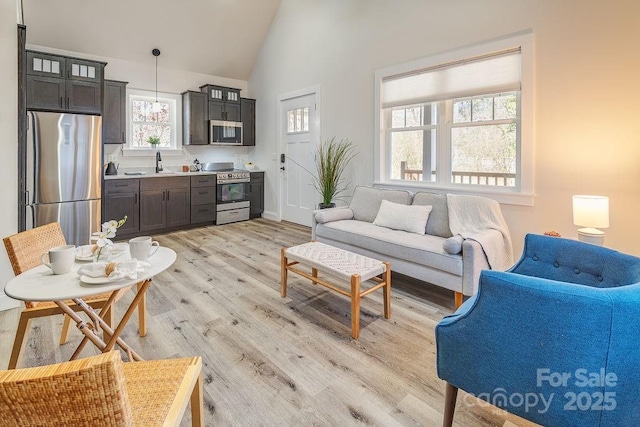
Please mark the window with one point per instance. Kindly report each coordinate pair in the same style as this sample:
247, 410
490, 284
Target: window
298, 120
144, 122
459, 121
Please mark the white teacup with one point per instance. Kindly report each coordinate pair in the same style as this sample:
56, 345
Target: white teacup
61, 258
141, 247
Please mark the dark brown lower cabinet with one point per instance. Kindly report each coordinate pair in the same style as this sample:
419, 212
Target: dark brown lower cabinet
164, 203
121, 197
178, 208
153, 213
256, 194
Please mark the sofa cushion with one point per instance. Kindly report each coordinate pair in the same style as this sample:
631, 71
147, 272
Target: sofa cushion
402, 217
425, 250
438, 223
333, 214
366, 201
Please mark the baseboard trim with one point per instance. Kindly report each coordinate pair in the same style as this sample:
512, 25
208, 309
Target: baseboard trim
273, 216
7, 303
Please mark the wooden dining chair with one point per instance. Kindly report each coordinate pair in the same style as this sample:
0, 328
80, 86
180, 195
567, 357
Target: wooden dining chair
102, 390
24, 250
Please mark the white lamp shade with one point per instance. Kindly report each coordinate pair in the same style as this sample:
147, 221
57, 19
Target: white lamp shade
591, 211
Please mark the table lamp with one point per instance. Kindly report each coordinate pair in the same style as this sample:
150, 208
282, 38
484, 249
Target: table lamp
591, 212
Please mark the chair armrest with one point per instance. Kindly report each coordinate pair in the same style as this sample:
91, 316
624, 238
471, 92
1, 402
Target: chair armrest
474, 261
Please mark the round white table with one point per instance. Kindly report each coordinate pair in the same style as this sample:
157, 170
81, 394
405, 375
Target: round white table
40, 284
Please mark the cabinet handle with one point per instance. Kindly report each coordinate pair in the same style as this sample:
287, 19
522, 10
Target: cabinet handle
122, 185
67, 102
135, 199
190, 138
202, 192
203, 210
168, 192
61, 103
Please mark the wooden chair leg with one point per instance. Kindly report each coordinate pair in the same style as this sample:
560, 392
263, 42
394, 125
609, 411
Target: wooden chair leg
450, 395
64, 335
110, 319
142, 314
197, 407
458, 299
18, 342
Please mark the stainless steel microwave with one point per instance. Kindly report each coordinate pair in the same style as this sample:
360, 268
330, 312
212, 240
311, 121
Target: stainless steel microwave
225, 133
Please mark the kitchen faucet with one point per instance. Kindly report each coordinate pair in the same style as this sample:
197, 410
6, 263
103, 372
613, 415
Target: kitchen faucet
158, 162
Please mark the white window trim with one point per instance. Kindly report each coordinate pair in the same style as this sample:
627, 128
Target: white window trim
525, 195
127, 151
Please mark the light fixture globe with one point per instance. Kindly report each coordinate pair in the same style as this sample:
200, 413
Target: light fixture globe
156, 107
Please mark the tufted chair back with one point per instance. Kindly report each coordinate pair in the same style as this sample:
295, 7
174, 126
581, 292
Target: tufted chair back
572, 261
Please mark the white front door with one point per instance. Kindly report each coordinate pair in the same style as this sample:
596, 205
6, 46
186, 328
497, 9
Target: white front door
299, 138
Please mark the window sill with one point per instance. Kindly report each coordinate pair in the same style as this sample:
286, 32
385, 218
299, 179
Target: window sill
145, 152
507, 197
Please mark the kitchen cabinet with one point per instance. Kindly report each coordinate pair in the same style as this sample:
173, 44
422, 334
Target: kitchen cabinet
248, 114
195, 118
256, 194
61, 83
203, 199
121, 198
164, 203
224, 102
114, 112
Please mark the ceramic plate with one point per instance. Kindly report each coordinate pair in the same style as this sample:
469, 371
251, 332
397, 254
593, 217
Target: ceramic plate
82, 251
95, 280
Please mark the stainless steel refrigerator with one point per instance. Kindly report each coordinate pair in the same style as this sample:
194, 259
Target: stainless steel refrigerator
64, 173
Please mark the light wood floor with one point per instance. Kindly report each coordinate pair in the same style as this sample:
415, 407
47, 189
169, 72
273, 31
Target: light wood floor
281, 361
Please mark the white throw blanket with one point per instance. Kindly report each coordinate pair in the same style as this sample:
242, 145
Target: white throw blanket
478, 218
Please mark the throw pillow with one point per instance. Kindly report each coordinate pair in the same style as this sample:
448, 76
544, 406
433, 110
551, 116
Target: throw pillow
438, 224
403, 217
453, 245
335, 214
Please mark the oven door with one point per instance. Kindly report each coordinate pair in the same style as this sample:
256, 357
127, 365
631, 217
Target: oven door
225, 133
232, 192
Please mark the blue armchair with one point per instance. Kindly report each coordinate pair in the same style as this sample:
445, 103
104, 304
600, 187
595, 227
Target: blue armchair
555, 339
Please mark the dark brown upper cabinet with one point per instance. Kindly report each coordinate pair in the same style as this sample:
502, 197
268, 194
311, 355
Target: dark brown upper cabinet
61, 83
248, 107
195, 118
224, 102
114, 112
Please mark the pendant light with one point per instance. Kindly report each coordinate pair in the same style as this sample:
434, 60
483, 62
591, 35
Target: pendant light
156, 107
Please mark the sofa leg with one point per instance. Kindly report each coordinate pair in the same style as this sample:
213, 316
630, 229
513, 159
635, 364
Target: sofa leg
450, 395
458, 299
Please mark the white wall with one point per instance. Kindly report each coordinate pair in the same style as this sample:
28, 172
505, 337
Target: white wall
141, 75
586, 89
8, 136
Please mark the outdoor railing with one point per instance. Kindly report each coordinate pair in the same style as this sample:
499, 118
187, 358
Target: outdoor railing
476, 178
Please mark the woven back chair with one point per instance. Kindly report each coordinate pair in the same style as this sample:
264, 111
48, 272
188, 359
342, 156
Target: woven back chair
102, 390
24, 250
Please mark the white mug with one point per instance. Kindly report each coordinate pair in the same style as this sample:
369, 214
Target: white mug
61, 258
140, 247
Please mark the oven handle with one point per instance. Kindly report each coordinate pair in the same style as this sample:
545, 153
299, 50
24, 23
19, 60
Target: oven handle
235, 181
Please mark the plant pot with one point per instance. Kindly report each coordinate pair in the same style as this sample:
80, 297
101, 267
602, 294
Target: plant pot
323, 206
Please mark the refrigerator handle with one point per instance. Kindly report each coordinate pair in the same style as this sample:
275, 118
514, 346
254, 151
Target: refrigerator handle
26, 197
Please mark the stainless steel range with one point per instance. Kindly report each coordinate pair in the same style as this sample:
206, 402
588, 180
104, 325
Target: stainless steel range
232, 193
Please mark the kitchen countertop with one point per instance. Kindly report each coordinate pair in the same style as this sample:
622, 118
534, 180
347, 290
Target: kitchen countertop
166, 173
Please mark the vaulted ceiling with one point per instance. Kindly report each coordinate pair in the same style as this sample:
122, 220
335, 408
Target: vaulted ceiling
216, 37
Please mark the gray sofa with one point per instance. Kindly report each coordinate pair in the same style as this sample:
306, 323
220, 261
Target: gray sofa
415, 255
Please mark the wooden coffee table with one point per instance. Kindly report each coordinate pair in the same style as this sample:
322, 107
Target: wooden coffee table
341, 264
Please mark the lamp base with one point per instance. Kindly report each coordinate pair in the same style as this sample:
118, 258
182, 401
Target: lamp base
591, 235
